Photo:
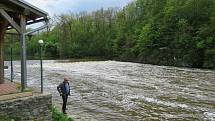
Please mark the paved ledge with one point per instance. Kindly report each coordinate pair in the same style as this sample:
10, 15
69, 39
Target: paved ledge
31, 108
15, 96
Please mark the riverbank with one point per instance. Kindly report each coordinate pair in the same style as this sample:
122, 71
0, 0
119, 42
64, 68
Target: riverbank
133, 60
59, 116
170, 65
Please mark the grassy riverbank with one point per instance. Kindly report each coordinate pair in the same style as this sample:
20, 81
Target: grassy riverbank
59, 116
56, 116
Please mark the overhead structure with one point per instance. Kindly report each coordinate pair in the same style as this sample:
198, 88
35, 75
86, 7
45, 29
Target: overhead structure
16, 14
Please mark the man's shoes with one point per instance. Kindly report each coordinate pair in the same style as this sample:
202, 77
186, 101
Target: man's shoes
64, 112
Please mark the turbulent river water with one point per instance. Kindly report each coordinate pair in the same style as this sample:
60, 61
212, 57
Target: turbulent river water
111, 90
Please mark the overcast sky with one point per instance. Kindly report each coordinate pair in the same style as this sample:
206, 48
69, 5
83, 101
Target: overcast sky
65, 6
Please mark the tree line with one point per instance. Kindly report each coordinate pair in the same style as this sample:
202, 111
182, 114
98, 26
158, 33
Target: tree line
163, 32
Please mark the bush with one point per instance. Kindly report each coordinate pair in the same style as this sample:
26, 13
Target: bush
209, 59
58, 116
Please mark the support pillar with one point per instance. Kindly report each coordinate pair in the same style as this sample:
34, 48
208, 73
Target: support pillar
3, 27
23, 52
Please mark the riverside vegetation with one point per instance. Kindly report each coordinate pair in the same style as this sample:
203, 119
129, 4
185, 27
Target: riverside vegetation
56, 116
163, 32
59, 116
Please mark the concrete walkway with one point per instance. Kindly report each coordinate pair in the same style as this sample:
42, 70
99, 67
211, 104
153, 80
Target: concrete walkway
8, 88
15, 96
9, 91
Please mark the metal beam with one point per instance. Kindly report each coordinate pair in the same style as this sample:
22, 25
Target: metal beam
35, 30
36, 21
10, 20
30, 22
23, 52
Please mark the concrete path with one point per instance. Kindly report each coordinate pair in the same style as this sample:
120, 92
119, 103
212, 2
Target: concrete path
15, 96
8, 88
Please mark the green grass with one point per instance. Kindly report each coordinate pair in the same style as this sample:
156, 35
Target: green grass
18, 87
58, 116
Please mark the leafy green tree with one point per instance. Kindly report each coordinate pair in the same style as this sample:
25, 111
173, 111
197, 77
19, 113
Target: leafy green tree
164, 32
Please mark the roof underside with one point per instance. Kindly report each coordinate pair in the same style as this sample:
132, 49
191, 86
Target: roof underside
16, 7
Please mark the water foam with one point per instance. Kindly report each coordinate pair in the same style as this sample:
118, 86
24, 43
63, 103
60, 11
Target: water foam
210, 115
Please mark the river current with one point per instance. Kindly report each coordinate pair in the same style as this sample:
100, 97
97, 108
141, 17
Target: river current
111, 90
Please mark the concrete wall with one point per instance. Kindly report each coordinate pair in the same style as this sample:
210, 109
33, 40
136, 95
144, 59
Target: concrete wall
34, 108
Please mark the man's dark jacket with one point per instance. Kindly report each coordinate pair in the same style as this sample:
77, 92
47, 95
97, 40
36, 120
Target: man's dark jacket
62, 89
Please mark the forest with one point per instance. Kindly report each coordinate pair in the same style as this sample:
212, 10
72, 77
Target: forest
161, 32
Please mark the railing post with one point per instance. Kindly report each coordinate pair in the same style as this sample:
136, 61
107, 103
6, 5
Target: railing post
41, 68
11, 63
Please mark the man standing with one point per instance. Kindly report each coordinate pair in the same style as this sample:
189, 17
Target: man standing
64, 90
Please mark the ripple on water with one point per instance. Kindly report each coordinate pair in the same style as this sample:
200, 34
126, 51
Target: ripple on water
159, 102
210, 116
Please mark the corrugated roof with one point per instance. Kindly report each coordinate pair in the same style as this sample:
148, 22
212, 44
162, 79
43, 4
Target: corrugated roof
30, 7
15, 7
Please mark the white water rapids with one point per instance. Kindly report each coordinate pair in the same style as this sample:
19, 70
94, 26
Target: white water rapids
111, 90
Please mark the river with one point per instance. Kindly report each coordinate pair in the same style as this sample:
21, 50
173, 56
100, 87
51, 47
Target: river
111, 90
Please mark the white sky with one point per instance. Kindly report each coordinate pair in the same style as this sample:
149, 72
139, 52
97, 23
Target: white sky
65, 6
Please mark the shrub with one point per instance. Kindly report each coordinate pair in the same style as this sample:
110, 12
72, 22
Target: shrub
58, 116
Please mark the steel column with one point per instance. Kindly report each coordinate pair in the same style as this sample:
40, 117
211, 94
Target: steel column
23, 53
3, 27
